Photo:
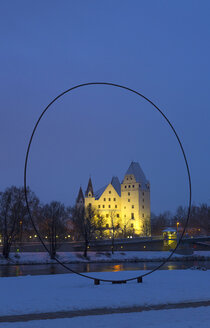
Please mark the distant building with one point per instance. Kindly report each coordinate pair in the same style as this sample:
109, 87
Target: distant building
127, 202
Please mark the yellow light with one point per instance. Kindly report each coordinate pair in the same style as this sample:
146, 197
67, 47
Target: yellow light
69, 236
45, 237
0, 240
30, 236
65, 237
56, 236
35, 236
144, 246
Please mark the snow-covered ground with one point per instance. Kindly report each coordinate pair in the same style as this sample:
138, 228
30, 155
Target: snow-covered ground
182, 318
38, 294
77, 257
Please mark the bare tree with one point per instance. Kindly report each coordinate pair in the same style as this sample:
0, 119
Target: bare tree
51, 224
14, 215
115, 227
88, 224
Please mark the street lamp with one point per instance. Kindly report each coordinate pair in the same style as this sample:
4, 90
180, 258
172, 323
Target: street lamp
177, 227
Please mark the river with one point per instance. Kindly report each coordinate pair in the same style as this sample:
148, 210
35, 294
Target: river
44, 269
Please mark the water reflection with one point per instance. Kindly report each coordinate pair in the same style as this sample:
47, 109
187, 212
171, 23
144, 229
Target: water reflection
22, 270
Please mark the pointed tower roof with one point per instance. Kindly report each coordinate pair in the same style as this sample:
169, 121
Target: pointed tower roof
89, 188
135, 169
116, 184
80, 195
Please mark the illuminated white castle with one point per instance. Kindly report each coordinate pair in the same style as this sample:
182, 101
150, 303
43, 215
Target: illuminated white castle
128, 202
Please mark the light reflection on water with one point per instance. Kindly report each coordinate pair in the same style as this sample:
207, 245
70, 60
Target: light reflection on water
43, 269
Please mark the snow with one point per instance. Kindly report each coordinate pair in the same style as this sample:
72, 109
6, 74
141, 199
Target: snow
49, 293
77, 257
182, 318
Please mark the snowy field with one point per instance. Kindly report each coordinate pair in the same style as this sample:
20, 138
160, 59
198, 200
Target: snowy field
38, 294
77, 257
182, 318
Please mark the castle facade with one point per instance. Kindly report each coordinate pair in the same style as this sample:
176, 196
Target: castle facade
127, 203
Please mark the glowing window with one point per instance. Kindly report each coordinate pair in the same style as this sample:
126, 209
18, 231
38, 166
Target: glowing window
99, 206
129, 200
109, 191
104, 199
114, 199
109, 206
103, 206
132, 206
115, 206
129, 193
118, 215
109, 199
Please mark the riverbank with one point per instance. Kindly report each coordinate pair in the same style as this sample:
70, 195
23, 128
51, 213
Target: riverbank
101, 257
70, 292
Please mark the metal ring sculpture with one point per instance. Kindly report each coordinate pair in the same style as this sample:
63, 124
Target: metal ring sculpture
97, 280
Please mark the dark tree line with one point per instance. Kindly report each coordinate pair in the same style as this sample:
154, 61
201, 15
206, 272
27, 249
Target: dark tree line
199, 222
55, 222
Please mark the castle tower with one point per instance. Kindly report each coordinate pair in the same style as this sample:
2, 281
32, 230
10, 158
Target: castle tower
80, 202
89, 190
135, 200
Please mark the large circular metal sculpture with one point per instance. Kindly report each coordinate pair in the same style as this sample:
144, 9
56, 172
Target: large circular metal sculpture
97, 280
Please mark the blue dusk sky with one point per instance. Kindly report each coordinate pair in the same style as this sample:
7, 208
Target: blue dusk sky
159, 48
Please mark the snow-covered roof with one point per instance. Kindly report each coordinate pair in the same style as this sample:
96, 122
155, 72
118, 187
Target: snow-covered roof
169, 230
136, 170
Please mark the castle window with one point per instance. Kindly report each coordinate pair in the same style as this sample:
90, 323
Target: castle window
127, 178
109, 191
131, 178
132, 206
125, 216
125, 187
107, 226
129, 193
114, 199
131, 225
133, 186
99, 206
109, 199
129, 200
124, 207
104, 199
89, 204
118, 215
143, 215
103, 206
132, 215
115, 206
142, 206
143, 193
129, 186
143, 199
109, 206
89, 195
107, 215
